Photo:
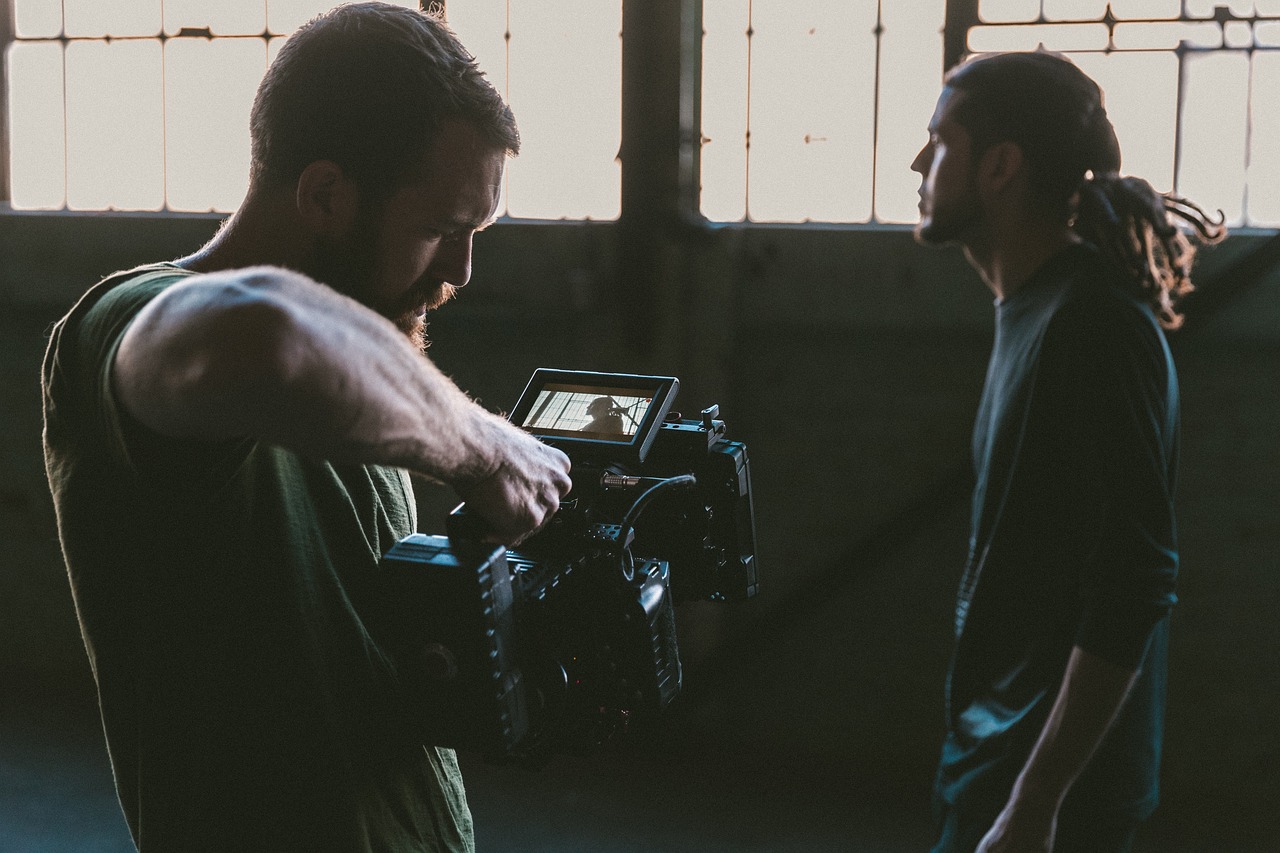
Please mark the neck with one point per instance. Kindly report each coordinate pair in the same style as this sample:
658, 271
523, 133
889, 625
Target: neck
1015, 250
263, 231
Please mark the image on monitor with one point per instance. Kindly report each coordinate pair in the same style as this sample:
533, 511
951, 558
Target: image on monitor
600, 413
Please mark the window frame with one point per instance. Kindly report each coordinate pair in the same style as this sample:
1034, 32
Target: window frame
661, 118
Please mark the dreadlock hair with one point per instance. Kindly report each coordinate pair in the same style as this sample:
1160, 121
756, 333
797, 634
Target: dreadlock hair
1054, 112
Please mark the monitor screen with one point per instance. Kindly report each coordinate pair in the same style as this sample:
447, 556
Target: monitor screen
578, 407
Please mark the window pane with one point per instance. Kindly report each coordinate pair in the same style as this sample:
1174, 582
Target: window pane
207, 138
1145, 117
910, 80
285, 16
481, 25
95, 18
36, 140
1264, 149
1215, 118
724, 110
115, 126
1167, 36
1131, 9
1074, 10
1062, 37
226, 17
37, 18
570, 121
1005, 11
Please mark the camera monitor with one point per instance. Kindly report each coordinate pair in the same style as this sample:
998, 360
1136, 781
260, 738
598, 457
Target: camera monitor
578, 410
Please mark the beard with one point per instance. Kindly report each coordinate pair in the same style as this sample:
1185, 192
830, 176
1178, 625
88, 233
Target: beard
350, 267
411, 321
948, 224
950, 219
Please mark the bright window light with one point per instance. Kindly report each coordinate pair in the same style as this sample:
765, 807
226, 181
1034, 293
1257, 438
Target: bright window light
559, 65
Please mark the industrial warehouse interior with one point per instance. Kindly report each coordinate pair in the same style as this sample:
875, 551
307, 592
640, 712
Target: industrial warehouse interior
702, 230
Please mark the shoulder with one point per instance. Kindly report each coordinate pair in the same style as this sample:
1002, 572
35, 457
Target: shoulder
109, 305
1099, 311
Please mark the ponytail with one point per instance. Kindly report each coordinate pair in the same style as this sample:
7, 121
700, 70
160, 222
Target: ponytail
1140, 229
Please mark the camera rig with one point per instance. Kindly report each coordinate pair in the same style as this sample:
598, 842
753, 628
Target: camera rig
571, 639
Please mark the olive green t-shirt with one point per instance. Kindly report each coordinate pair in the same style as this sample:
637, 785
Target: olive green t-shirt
229, 600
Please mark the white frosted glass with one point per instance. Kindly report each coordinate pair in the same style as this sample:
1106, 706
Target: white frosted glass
1214, 122
207, 141
285, 16
812, 111
223, 18
564, 87
1146, 9
1267, 33
1060, 37
36, 140
115, 126
1207, 8
1074, 10
94, 18
1145, 115
910, 80
724, 110
481, 26
37, 18
1007, 11
1167, 35
1264, 148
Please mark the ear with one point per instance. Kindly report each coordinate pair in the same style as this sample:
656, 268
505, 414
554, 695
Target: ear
327, 198
1000, 168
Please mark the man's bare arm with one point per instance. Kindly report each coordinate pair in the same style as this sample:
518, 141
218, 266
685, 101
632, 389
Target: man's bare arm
271, 354
1092, 694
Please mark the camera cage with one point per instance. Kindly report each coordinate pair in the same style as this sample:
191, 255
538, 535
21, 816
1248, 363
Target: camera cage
568, 641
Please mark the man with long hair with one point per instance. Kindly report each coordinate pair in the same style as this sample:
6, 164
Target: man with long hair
227, 440
1055, 694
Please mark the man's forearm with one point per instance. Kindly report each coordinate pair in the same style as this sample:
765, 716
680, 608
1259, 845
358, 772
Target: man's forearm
1093, 692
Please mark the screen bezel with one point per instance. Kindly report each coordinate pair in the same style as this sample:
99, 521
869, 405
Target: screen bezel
662, 390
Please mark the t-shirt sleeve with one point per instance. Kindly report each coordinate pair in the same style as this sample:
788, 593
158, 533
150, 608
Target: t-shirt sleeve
100, 332
1121, 408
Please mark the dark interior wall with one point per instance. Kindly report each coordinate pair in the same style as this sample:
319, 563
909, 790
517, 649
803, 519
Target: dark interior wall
850, 361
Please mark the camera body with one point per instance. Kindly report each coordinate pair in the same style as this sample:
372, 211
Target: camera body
571, 639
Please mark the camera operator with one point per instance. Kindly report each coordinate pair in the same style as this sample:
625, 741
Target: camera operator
227, 438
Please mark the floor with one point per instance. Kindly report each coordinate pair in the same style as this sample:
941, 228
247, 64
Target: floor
56, 796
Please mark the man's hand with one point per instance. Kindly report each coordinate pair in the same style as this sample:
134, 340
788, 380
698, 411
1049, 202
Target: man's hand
523, 492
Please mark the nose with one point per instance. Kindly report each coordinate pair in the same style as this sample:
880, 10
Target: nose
452, 262
923, 159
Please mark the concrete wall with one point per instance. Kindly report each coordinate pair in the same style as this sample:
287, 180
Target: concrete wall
850, 361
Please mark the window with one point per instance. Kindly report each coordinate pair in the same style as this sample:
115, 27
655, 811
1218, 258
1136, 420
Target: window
811, 109
138, 104
144, 104
559, 66
1192, 86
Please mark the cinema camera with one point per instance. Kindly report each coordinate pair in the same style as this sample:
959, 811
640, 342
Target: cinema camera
571, 640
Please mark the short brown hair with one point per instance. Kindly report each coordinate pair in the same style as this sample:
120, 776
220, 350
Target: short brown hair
368, 85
